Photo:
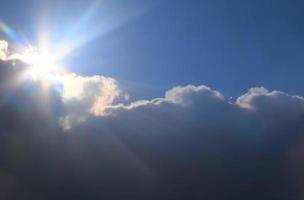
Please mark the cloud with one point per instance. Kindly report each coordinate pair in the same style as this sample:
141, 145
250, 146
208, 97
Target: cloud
191, 143
87, 95
3, 49
261, 100
194, 143
81, 95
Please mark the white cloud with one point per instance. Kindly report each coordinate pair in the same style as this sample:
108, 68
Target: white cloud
180, 95
3, 49
184, 94
81, 95
87, 95
276, 103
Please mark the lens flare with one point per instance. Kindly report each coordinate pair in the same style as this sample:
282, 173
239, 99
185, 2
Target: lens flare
9, 32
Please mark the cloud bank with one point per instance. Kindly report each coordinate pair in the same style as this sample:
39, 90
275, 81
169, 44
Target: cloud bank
82, 142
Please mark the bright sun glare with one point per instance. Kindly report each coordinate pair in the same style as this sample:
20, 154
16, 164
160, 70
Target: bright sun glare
43, 64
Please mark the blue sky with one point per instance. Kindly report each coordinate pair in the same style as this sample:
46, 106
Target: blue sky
228, 45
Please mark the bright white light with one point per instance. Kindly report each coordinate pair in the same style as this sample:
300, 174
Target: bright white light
42, 64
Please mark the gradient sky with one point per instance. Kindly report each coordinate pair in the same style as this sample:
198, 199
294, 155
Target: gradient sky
152, 46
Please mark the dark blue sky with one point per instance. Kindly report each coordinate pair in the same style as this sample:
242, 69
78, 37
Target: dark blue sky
227, 45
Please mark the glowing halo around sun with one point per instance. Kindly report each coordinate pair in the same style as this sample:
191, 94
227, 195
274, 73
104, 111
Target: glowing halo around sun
42, 64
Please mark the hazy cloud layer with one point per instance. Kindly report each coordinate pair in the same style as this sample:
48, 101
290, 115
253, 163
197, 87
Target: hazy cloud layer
190, 144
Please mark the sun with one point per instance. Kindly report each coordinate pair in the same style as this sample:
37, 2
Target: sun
42, 64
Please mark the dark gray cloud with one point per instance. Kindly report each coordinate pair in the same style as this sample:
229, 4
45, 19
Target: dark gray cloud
190, 144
